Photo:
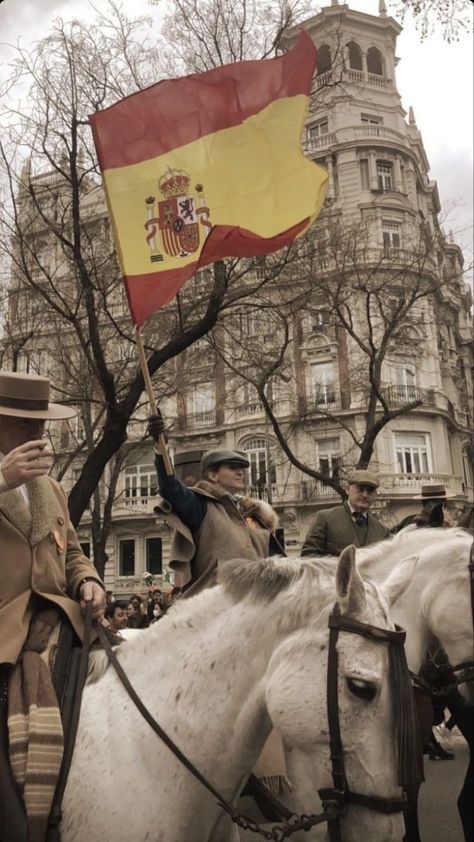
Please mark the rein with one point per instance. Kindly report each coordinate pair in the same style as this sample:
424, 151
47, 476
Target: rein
334, 800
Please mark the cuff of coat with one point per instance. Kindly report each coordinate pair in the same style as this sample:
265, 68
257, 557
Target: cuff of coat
88, 579
3, 484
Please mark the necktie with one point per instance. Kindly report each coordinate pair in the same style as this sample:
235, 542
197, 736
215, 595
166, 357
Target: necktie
359, 518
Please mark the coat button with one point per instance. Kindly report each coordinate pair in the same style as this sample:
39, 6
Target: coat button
61, 521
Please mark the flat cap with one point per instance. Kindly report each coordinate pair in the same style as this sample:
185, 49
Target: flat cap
214, 458
363, 478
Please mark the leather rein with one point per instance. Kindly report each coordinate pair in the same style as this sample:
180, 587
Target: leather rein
335, 800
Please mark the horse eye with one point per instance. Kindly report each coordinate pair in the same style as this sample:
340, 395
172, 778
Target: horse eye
362, 689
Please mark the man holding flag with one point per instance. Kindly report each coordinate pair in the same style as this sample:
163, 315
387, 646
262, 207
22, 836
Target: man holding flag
212, 521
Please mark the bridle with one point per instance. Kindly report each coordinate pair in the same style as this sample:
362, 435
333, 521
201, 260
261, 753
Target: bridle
336, 799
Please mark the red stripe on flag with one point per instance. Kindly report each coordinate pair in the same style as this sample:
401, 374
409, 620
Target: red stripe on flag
150, 122
147, 293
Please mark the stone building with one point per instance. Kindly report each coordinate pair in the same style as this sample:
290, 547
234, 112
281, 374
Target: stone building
381, 198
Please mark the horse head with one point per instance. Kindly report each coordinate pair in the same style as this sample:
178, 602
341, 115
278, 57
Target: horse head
296, 697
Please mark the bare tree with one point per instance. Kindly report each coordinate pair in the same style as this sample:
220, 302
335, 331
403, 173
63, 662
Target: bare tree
360, 308
453, 17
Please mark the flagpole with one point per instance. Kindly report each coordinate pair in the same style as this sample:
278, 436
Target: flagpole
151, 400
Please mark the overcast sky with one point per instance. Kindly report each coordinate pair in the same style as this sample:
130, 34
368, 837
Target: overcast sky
435, 78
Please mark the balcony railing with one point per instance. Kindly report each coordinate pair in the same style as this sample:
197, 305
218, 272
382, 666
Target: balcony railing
400, 394
375, 79
328, 401
251, 408
314, 143
347, 134
402, 484
198, 421
397, 395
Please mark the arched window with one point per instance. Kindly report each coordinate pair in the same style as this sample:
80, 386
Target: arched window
324, 59
375, 61
260, 472
355, 55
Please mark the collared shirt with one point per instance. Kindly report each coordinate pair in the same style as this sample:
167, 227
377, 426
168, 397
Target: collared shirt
357, 515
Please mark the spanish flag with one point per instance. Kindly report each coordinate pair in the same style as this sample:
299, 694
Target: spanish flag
206, 167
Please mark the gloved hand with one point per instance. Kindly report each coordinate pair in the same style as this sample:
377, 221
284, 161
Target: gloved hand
156, 426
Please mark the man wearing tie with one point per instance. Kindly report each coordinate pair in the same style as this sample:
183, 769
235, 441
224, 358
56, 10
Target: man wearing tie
351, 523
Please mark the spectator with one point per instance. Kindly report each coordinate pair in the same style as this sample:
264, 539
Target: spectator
137, 617
332, 530
116, 614
434, 498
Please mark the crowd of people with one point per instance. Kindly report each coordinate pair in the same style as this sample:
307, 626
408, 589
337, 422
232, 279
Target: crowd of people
139, 611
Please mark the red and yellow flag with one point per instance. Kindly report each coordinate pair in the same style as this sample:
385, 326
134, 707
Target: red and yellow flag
206, 167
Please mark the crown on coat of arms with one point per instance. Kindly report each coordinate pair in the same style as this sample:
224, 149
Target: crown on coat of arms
174, 183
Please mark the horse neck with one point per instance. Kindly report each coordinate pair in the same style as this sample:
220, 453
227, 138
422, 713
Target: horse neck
196, 662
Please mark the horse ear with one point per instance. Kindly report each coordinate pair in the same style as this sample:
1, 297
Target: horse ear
349, 585
399, 579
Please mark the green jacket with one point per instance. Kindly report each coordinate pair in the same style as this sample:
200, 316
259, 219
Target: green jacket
334, 529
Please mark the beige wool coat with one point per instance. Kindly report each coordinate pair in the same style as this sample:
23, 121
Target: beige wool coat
225, 533
40, 556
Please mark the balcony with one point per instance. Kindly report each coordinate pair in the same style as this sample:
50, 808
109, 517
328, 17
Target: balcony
326, 401
349, 134
197, 421
133, 506
410, 484
315, 143
250, 409
397, 395
312, 491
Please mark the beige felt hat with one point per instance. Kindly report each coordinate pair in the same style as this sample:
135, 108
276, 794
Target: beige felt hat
433, 491
27, 396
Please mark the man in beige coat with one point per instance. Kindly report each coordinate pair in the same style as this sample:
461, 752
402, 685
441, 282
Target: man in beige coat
41, 561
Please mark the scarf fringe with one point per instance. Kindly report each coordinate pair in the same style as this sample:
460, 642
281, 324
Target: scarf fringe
278, 784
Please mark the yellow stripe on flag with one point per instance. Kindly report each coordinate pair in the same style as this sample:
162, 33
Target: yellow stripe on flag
253, 175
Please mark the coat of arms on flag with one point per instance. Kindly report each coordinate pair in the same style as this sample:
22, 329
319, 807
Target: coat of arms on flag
178, 222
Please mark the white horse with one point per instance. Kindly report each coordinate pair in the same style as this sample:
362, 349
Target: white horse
436, 606
216, 672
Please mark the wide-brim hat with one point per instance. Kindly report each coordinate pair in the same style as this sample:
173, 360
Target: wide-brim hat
214, 458
361, 477
27, 396
434, 491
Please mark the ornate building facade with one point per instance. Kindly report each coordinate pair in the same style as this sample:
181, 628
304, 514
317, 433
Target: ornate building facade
379, 186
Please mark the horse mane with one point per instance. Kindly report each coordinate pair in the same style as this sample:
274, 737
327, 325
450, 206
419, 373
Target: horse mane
261, 580
408, 541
